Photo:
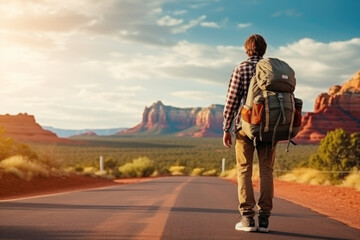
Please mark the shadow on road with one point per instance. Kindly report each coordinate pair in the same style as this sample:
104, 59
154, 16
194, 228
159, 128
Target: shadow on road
306, 236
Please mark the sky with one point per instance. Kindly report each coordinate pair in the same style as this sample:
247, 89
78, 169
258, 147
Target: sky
79, 64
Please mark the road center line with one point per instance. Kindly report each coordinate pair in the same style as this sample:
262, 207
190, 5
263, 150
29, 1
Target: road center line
155, 225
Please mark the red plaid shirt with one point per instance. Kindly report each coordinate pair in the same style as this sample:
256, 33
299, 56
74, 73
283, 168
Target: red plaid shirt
238, 88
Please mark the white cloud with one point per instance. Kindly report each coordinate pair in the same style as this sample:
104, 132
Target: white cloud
192, 23
210, 24
169, 21
244, 25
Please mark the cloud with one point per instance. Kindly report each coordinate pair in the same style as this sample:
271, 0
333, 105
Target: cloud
169, 21
103, 18
210, 24
191, 24
244, 25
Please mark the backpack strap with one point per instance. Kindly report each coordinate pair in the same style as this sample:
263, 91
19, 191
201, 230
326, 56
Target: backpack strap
280, 97
274, 132
281, 101
267, 114
292, 120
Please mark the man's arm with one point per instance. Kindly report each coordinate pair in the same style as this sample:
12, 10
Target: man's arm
227, 139
232, 105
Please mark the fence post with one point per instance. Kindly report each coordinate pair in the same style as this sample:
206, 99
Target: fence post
101, 164
223, 166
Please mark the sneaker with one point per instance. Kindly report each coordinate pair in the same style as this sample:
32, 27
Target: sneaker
263, 224
246, 224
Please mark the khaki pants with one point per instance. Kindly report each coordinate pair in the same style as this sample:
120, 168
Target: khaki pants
244, 157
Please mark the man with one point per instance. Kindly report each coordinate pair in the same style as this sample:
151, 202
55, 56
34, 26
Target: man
255, 47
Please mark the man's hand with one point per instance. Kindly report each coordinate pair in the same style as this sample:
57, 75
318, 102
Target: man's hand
227, 139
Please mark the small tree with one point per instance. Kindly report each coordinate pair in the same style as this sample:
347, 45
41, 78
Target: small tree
337, 152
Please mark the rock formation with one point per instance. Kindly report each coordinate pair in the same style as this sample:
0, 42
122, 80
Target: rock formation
23, 127
196, 122
339, 108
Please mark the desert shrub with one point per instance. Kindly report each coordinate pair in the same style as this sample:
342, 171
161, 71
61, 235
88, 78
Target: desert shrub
140, 167
177, 170
197, 171
89, 171
306, 175
9, 147
338, 152
231, 173
352, 180
79, 169
211, 172
110, 163
23, 168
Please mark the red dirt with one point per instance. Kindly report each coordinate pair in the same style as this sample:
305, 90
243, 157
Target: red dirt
327, 200
339, 203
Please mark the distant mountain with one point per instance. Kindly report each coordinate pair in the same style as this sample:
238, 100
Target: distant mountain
160, 119
23, 127
73, 132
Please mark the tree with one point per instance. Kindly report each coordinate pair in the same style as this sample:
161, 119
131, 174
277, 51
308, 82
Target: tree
338, 151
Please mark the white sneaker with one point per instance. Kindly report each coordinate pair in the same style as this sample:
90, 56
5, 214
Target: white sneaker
246, 225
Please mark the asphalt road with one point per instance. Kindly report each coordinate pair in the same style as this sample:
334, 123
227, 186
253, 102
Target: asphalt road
163, 208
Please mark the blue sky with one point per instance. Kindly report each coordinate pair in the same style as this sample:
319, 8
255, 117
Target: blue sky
97, 64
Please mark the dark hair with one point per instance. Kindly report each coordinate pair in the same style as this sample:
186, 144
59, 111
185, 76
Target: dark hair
255, 45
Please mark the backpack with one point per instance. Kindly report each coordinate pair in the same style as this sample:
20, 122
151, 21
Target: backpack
271, 112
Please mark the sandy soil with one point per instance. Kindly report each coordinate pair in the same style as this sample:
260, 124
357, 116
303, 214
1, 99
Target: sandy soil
338, 203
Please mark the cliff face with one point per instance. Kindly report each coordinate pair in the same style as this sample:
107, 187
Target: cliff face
196, 122
23, 127
339, 108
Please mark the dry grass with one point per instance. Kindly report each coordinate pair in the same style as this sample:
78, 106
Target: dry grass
352, 180
211, 172
306, 175
232, 173
23, 168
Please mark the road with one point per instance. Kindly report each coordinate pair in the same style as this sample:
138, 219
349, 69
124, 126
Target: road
163, 208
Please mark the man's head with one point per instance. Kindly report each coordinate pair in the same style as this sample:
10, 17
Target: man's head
255, 45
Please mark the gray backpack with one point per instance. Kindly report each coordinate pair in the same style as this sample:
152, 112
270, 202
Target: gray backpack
271, 112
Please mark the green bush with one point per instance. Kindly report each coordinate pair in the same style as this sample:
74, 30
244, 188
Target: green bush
140, 167
338, 152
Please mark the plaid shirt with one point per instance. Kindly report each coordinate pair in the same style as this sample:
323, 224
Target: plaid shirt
238, 88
